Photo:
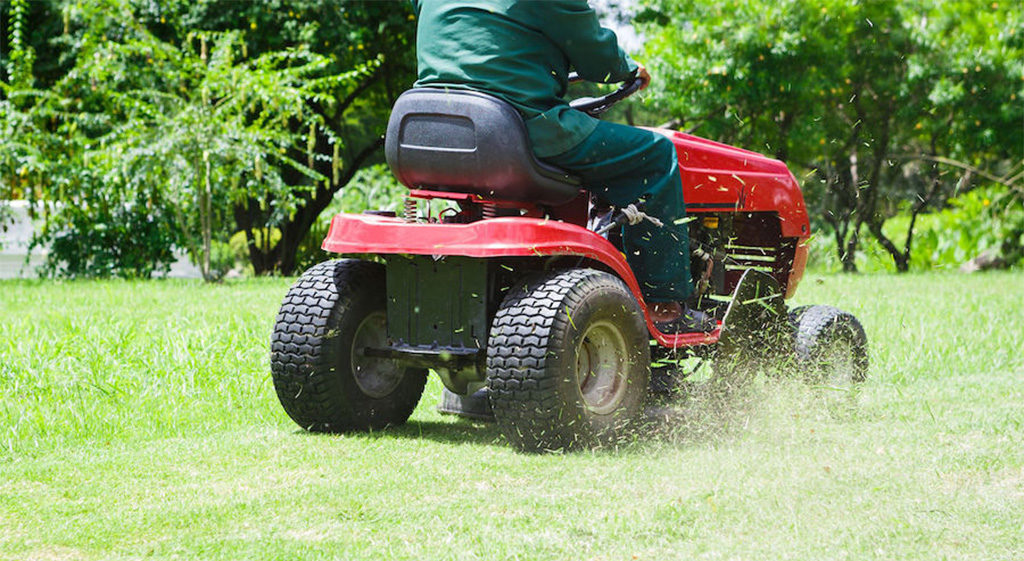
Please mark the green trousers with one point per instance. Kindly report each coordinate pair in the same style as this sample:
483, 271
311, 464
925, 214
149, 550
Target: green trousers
623, 165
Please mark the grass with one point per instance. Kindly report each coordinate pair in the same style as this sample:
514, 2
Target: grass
137, 420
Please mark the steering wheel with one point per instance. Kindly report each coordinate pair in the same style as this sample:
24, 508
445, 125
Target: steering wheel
594, 106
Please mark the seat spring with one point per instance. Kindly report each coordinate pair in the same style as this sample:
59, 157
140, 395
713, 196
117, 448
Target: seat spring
410, 209
489, 211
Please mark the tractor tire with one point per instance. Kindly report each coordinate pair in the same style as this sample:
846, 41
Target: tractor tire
324, 381
794, 316
831, 346
568, 362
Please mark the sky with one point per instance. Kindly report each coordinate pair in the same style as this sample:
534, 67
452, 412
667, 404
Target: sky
628, 37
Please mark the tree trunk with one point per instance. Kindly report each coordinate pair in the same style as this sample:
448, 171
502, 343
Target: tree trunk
247, 217
282, 256
848, 256
206, 219
293, 233
899, 258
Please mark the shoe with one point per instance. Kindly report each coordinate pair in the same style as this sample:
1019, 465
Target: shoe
690, 321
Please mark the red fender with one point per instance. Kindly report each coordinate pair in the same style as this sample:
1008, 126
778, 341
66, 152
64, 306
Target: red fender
497, 237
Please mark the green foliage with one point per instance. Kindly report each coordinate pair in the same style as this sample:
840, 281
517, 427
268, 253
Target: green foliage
191, 128
222, 260
373, 188
109, 239
883, 107
307, 254
263, 239
218, 116
969, 227
22, 55
979, 222
217, 132
17, 66
1008, 211
352, 35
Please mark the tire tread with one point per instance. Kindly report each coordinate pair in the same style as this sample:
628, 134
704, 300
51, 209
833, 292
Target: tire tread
306, 385
525, 335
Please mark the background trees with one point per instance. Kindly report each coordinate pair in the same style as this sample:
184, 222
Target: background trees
226, 127
180, 123
888, 107
371, 40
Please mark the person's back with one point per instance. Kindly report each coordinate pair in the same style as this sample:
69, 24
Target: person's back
521, 52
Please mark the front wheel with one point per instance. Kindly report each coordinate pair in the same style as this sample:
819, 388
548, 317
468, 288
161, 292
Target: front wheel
831, 346
568, 361
323, 378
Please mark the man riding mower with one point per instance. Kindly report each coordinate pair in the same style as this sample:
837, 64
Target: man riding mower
505, 288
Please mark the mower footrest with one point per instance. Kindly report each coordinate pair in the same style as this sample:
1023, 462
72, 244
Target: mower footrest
427, 357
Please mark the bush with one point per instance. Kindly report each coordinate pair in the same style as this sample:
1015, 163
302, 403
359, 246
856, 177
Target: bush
119, 240
372, 188
984, 220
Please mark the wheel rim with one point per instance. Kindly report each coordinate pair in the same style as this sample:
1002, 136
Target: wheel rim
376, 377
601, 364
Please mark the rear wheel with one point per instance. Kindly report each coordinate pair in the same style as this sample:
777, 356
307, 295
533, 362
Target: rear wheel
831, 346
323, 378
568, 361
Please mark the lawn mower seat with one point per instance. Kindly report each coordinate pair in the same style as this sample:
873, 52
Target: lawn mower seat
469, 142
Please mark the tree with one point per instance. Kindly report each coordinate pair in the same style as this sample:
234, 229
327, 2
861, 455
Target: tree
21, 155
353, 35
188, 121
221, 132
862, 96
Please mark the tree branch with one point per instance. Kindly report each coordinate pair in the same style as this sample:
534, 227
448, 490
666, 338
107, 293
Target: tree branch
1008, 181
362, 87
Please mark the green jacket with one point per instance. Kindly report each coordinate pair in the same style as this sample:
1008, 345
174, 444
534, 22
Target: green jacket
520, 51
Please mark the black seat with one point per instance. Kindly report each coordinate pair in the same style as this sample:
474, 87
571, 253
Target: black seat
469, 142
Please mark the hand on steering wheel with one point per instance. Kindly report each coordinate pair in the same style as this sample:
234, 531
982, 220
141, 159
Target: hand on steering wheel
594, 106
644, 76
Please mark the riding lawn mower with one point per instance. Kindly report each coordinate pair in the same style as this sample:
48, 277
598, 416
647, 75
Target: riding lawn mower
506, 278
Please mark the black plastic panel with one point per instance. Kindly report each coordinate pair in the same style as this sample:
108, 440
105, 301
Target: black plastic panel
438, 132
437, 302
468, 142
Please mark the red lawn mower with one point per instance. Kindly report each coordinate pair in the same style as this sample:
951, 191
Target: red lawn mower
517, 294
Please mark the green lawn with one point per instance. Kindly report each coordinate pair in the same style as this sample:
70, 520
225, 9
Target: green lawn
138, 420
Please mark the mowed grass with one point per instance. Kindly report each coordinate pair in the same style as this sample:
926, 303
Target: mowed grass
138, 420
